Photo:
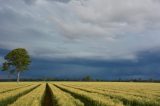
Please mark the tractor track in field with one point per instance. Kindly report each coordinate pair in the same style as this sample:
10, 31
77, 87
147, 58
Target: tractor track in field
9, 90
11, 100
48, 99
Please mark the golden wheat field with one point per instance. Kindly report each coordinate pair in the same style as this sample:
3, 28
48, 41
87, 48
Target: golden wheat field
79, 94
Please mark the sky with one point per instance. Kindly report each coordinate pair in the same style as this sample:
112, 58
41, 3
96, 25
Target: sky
106, 39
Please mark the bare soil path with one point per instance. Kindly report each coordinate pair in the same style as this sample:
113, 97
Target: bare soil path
48, 99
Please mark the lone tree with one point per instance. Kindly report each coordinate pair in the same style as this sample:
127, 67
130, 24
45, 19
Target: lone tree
17, 61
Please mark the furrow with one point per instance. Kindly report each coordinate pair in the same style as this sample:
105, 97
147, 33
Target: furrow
48, 99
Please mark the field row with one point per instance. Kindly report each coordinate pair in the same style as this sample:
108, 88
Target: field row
78, 94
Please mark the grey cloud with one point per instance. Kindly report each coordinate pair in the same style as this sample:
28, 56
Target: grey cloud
105, 29
63, 1
30, 2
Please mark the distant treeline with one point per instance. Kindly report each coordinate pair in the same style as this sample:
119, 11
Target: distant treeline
86, 78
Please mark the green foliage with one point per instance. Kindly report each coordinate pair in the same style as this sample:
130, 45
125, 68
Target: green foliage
5, 66
17, 58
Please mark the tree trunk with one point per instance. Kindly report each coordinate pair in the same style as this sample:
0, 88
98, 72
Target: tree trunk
18, 76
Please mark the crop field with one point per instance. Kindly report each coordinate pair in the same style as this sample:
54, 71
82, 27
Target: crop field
79, 94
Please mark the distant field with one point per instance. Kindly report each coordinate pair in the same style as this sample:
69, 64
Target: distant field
79, 94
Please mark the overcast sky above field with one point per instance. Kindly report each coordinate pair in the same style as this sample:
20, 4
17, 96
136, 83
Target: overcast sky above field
107, 39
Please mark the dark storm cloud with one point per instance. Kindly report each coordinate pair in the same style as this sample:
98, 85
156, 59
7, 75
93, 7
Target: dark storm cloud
146, 67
